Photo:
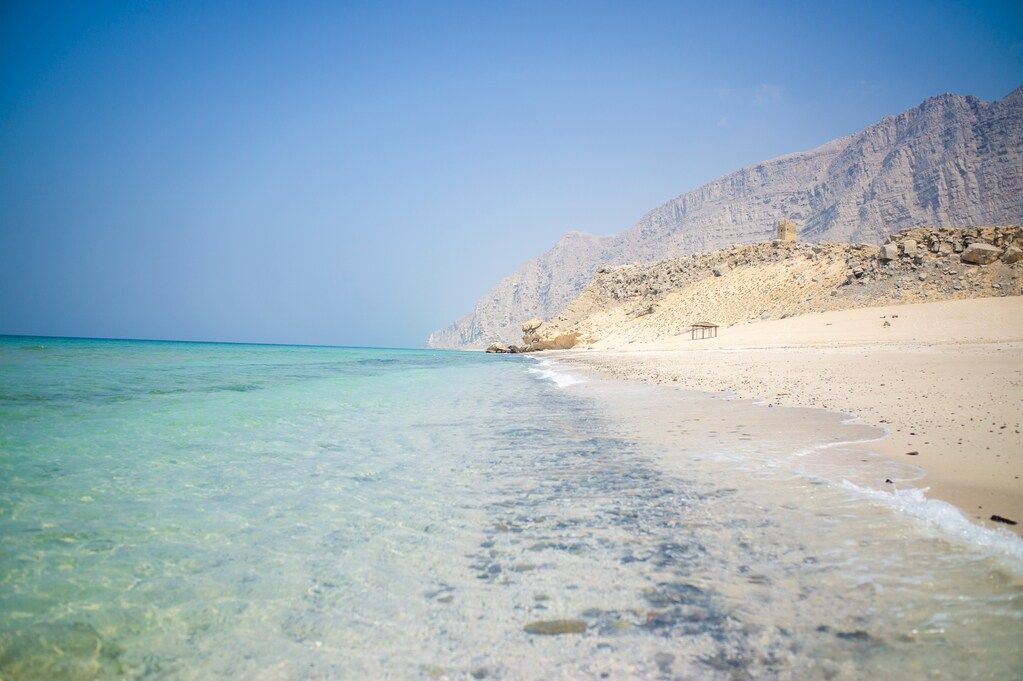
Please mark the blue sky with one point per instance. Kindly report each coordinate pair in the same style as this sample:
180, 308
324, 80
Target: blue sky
358, 173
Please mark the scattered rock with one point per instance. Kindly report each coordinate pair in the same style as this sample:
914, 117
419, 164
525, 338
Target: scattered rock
1012, 254
1000, 519
889, 252
720, 270
912, 453
643, 311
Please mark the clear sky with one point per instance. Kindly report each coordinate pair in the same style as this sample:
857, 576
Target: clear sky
359, 173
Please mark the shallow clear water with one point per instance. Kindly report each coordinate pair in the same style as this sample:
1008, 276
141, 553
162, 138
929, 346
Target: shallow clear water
195, 511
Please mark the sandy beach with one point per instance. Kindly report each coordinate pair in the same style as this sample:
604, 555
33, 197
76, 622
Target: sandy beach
944, 378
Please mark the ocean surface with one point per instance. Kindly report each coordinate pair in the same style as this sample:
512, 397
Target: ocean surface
203, 511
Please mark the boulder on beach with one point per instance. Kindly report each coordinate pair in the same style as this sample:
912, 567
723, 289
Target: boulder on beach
1013, 253
981, 254
498, 347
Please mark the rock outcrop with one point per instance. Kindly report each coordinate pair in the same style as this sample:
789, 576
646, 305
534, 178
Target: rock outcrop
951, 161
773, 280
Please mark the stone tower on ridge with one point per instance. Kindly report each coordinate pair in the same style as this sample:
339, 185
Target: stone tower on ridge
785, 230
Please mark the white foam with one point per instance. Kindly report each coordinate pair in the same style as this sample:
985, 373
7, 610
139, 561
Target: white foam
549, 370
949, 519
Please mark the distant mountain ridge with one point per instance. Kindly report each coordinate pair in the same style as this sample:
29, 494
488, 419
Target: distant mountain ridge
952, 161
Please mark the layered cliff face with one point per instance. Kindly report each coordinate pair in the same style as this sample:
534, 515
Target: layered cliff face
951, 161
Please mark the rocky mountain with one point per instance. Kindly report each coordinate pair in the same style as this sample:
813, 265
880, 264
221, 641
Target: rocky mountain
951, 161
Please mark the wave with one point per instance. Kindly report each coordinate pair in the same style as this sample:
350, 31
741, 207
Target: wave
550, 370
948, 519
944, 518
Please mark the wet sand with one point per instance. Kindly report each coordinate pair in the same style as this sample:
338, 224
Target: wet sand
944, 379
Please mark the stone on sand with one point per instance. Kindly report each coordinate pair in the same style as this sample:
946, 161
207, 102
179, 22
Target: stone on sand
1013, 253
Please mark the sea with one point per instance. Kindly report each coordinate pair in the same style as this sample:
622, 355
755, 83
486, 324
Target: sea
174, 510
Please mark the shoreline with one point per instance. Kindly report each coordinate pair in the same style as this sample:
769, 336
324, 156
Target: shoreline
947, 401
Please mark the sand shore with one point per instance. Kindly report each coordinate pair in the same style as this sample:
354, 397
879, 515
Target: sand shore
944, 378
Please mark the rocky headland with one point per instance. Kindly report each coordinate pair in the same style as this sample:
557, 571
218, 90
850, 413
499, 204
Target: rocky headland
746, 283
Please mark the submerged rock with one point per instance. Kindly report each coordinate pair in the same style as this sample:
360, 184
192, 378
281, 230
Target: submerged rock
555, 627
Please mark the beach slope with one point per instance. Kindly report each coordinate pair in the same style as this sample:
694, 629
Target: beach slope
944, 378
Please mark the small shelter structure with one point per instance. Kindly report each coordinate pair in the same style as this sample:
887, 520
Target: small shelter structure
785, 230
703, 330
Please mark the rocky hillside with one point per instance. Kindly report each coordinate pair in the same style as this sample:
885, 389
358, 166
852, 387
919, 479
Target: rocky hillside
951, 161
773, 280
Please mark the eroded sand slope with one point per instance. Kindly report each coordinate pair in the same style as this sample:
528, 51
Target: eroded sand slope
657, 303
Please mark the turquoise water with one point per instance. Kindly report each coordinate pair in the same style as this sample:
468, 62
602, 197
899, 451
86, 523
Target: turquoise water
195, 511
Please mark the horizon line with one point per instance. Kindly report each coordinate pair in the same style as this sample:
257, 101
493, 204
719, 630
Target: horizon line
216, 342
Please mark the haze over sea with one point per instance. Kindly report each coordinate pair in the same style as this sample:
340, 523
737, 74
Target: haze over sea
195, 511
